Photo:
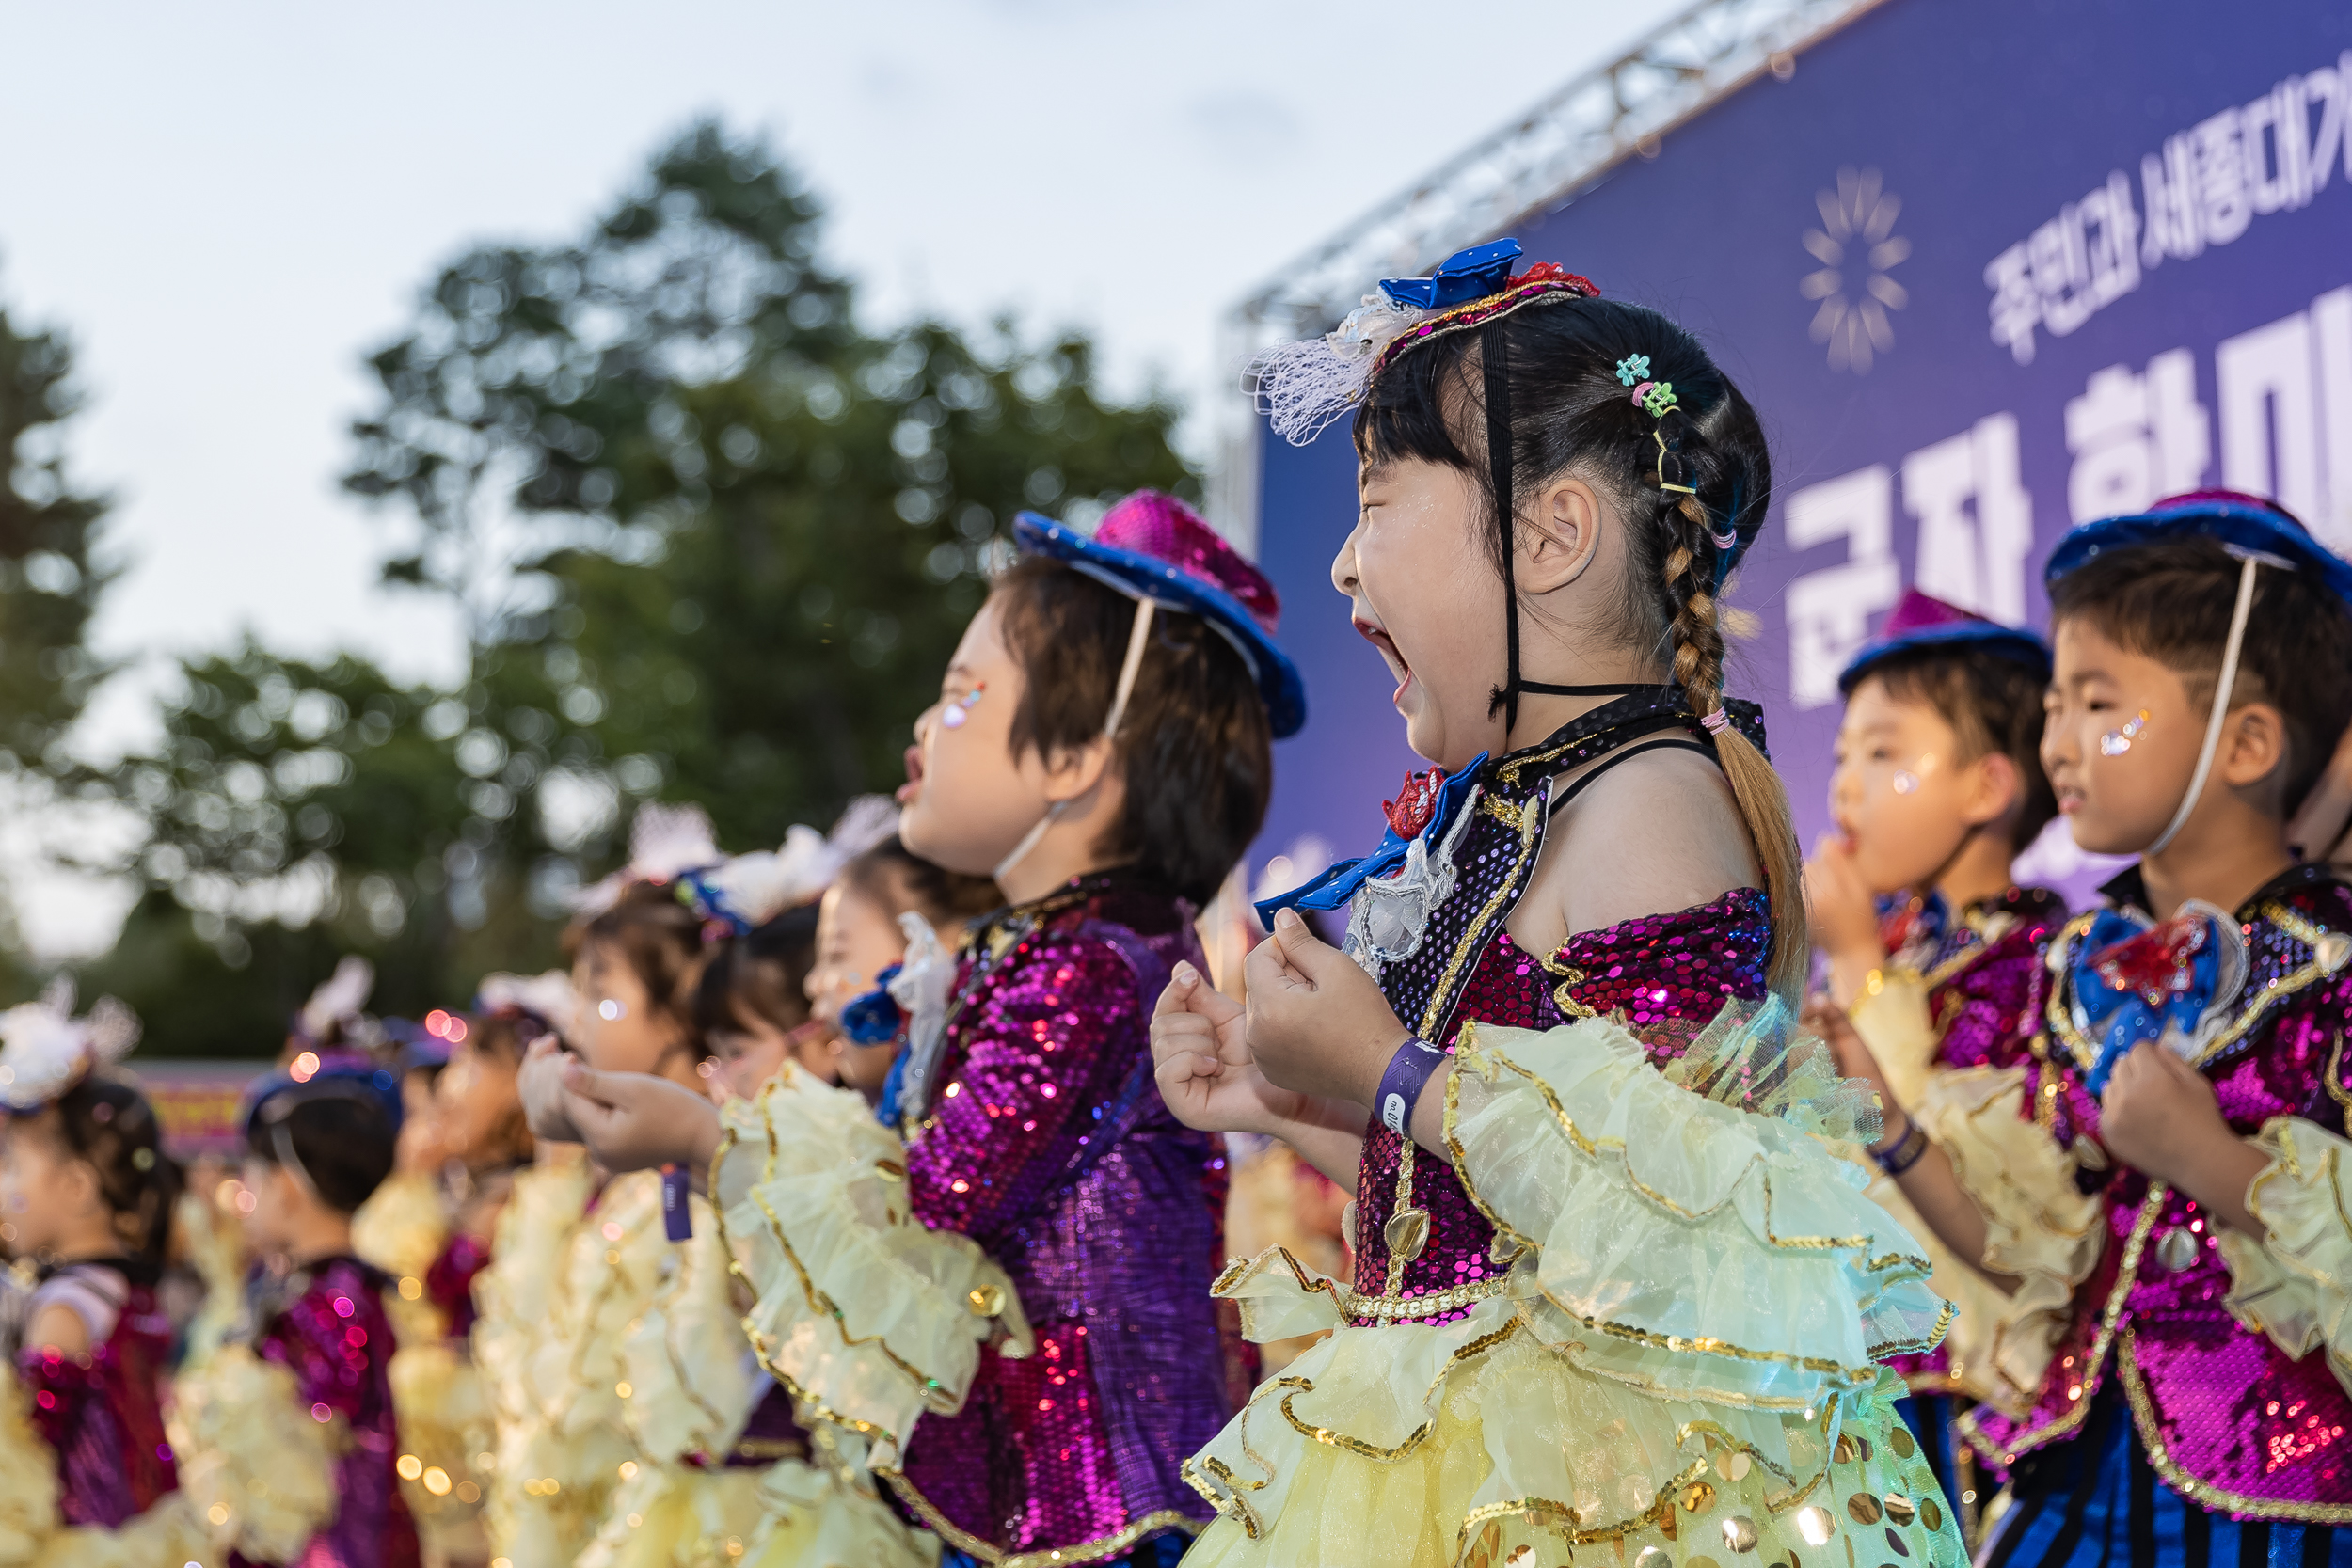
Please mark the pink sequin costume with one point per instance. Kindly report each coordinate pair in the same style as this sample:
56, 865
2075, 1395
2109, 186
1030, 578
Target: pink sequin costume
1047, 1143
2229, 1418
326, 1324
102, 1414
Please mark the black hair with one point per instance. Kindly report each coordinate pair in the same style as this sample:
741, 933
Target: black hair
337, 1133
1993, 704
653, 931
899, 879
1194, 748
2171, 601
110, 1126
762, 972
1700, 474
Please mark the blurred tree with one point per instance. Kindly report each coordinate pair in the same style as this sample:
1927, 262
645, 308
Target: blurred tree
50, 579
710, 542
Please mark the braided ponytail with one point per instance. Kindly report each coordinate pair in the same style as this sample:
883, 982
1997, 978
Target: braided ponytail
1763, 800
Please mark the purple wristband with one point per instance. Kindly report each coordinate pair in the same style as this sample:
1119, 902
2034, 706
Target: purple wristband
1409, 1072
677, 1217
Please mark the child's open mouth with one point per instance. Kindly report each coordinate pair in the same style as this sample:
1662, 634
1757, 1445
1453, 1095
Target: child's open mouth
1397, 667
913, 786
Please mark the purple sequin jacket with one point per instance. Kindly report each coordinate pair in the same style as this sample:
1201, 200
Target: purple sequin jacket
1667, 974
1047, 1143
326, 1324
2228, 1418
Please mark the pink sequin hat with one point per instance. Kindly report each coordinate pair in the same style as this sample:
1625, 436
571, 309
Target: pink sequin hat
1153, 546
1921, 621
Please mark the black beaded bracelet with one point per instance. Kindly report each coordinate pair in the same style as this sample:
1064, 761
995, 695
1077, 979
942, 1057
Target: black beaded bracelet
1907, 1152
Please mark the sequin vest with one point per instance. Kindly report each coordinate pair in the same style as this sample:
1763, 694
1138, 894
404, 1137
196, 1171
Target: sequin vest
1423, 1248
103, 1416
2228, 1419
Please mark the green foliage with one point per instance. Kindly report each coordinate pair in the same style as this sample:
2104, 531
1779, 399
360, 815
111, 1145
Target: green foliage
49, 581
711, 542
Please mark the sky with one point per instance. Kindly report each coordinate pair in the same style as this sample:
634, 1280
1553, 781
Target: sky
228, 207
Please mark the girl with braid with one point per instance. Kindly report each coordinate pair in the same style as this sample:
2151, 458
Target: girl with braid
1612, 1292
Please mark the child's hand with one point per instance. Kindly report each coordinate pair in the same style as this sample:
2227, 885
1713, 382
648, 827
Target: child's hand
1202, 1058
1318, 1024
1839, 906
2158, 1113
540, 1084
636, 1121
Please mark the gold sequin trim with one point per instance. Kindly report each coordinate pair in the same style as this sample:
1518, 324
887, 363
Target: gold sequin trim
1058, 1556
1348, 1304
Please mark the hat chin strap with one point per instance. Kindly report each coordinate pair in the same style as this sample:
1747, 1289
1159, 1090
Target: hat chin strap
1138, 639
2222, 690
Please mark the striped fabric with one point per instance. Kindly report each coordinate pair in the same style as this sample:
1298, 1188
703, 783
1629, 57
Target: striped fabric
2095, 1502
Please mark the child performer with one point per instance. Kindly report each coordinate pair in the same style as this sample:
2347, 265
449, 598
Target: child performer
1611, 1294
2189, 1076
314, 1153
864, 939
751, 1004
87, 1195
1934, 950
1101, 744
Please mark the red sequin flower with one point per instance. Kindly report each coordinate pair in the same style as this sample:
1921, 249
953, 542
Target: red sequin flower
2157, 962
1416, 803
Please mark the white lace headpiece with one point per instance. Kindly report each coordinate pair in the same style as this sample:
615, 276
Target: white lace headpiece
44, 1050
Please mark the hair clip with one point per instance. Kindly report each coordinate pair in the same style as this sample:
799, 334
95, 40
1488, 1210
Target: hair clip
961, 709
1632, 367
1656, 397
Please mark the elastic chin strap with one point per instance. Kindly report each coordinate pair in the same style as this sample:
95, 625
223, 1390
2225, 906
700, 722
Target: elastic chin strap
1138, 639
2222, 685
281, 1140
1495, 349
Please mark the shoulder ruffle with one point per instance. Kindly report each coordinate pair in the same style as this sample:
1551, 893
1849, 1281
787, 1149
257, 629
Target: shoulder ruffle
1894, 1023
2294, 1283
401, 1229
870, 1318
254, 1465
2040, 1229
1666, 1219
690, 1386
444, 1415
28, 1478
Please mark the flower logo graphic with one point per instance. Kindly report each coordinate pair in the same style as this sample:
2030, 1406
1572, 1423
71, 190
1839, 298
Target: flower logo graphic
1858, 249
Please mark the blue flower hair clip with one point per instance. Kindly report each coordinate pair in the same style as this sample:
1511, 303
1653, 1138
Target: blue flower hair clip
1633, 368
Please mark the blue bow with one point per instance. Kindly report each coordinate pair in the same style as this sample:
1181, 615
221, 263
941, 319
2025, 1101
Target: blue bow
2135, 982
1921, 927
1336, 886
874, 1019
1465, 275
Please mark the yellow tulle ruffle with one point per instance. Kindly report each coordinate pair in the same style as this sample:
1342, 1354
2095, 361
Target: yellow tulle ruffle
29, 1477
215, 1246
446, 1427
788, 1515
255, 1465
867, 1316
1683, 1357
2039, 1230
558, 1303
2294, 1283
400, 1229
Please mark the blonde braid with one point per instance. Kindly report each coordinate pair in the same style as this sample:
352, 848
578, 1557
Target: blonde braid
1763, 800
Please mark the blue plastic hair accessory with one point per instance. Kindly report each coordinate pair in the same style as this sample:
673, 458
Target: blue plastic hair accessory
1632, 369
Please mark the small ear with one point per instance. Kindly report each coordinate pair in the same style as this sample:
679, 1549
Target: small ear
1072, 772
1557, 536
2253, 746
1995, 788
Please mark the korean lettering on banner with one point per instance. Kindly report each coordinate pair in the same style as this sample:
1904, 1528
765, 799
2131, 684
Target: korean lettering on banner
2136, 438
2203, 188
1975, 520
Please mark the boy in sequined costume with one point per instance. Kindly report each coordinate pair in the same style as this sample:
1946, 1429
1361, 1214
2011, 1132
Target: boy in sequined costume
2172, 1140
1564, 1000
1934, 953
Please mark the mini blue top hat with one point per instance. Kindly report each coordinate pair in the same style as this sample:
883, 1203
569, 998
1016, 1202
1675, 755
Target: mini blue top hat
339, 1078
2247, 523
1921, 621
1151, 546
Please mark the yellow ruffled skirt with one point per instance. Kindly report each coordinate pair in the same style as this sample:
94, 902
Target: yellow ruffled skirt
1679, 1369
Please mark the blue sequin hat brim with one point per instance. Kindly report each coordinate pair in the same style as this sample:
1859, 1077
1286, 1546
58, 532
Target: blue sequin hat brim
2010, 642
2246, 522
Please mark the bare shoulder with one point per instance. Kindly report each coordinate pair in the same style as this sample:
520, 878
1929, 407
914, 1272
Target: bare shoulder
1657, 833
59, 1327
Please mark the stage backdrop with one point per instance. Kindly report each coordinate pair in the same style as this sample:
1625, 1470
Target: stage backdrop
1987, 270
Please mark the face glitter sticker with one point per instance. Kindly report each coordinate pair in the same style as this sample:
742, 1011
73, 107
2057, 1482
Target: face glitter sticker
2118, 741
610, 1010
1905, 780
953, 716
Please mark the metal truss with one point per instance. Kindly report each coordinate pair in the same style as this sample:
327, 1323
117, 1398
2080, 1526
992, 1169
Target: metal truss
1557, 147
